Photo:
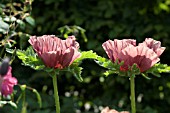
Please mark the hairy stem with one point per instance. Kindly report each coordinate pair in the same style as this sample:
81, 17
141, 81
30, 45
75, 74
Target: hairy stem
57, 103
132, 97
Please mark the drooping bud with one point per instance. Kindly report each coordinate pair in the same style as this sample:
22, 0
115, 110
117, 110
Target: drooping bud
4, 66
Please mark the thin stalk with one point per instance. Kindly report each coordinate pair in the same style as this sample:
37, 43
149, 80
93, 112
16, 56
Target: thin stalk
132, 97
24, 105
57, 103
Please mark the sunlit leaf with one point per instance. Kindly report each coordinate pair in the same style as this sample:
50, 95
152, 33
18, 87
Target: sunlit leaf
164, 6
106, 63
159, 68
29, 58
87, 55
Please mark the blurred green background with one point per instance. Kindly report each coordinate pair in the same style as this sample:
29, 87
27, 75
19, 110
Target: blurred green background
102, 20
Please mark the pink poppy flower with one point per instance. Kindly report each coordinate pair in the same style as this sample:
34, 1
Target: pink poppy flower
54, 52
7, 83
145, 55
107, 110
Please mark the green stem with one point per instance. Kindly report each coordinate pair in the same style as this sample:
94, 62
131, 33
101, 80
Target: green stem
2, 51
132, 88
57, 103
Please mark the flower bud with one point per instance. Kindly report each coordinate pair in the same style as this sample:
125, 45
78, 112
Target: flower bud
4, 66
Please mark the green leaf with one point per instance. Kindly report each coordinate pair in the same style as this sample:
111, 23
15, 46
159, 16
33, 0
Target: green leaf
114, 68
29, 58
164, 6
21, 24
108, 72
3, 26
76, 71
87, 55
159, 68
106, 63
145, 76
8, 102
30, 20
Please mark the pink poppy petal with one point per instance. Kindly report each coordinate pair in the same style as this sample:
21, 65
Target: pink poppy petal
113, 48
154, 45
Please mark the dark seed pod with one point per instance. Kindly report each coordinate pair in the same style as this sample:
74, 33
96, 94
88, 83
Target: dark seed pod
4, 67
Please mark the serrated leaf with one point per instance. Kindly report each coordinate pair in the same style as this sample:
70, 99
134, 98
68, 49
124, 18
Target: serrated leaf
106, 63
87, 55
29, 58
76, 71
115, 67
159, 68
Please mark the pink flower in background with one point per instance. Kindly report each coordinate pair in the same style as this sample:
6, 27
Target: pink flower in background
54, 52
7, 83
107, 110
145, 55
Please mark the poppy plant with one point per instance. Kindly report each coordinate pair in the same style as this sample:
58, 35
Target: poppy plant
7, 83
56, 54
144, 55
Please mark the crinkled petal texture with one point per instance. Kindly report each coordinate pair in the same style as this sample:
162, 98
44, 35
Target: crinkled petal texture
54, 52
145, 55
154, 45
7, 83
113, 48
107, 110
